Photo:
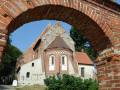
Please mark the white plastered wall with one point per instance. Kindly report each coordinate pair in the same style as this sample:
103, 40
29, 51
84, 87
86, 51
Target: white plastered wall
36, 74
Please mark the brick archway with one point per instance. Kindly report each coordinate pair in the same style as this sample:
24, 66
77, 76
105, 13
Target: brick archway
99, 23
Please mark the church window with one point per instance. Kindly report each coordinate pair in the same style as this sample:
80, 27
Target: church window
28, 74
64, 62
32, 64
52, 62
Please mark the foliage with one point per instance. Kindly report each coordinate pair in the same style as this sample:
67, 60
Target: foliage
68, 82
7, 67
114, 0
82, 43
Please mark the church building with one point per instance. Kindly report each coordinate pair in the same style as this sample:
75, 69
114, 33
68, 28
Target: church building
53, 53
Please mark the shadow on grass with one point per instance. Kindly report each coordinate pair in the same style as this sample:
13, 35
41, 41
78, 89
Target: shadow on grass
6, 87
3, 87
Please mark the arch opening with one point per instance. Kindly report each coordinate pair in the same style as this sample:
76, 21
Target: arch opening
86, 15
88, 27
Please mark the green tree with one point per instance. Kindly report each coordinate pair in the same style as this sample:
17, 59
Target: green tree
114, 0
7, 67
82, 43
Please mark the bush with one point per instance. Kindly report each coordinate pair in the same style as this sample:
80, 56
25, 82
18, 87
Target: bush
68, 82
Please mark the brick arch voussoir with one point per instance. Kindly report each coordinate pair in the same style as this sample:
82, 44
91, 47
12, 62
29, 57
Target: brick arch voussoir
97, 17
10, 9
94, 14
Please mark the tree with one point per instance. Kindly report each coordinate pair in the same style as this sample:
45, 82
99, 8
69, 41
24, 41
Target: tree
113, 0
7, 67
82, 43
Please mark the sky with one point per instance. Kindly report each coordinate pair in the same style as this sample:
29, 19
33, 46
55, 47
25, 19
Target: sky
24, 36
118, 1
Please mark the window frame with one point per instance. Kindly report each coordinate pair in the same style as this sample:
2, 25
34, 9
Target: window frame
28, 75
65, 64
33, 64
52, 62
82, 71
63, 60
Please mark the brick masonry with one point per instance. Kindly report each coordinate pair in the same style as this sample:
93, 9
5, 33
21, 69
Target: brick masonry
109, 73
57, 54
99, 21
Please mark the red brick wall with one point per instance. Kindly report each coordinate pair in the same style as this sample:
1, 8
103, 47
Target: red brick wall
109, 73
57, 53
93, 19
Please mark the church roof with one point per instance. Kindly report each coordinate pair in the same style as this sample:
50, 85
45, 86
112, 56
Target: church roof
83, 58
46, 30
58, 43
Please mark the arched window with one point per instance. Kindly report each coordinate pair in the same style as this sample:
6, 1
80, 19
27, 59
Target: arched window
64, 62
52, 62
32, 64
27, 74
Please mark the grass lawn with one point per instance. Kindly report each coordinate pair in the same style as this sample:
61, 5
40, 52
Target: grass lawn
32, 87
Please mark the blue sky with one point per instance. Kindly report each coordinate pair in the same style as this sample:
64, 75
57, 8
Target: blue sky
24, 36
118, 1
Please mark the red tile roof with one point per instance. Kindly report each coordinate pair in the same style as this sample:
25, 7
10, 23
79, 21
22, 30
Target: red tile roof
83, 58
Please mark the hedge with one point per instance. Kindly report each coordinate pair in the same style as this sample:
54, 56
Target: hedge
68, 82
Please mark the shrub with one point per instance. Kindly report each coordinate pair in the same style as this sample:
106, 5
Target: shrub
68, 82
